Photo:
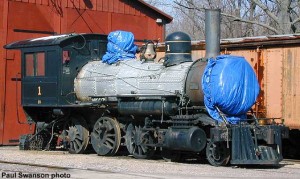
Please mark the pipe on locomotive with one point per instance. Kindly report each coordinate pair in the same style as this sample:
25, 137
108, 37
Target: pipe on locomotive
212, 32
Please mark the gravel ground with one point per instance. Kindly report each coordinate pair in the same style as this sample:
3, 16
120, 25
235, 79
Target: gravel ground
91, 166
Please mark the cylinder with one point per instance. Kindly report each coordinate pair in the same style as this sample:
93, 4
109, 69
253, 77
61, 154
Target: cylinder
193, 139
145, 108
212, 33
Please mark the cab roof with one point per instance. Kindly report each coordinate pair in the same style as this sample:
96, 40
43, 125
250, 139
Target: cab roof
55, 40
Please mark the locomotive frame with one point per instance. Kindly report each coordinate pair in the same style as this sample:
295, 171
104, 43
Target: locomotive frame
143, 123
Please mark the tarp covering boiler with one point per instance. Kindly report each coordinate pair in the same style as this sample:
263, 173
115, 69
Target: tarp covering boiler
230, 84
120, 47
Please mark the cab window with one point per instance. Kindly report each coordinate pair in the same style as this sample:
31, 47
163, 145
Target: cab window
35, 64
66, 57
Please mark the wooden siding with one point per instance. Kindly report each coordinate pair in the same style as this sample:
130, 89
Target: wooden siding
89, 16
116, 6
291, 86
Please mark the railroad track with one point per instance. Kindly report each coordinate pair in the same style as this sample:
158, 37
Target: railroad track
35, 165
288, 161
68, 172
50, 166
287, 169
57, 168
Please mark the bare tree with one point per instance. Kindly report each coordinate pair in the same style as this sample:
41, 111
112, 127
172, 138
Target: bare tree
277, 16
239, 17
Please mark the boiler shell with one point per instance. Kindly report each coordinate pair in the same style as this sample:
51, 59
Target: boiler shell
130, 77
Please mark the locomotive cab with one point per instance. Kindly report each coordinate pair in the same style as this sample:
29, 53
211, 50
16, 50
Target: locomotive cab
50, 64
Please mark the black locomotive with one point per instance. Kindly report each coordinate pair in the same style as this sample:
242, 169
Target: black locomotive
76, 100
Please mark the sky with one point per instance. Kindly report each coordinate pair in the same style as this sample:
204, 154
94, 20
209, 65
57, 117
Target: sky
165, 6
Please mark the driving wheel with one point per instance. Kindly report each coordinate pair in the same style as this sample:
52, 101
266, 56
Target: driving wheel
106, 136
77, 134
137, 140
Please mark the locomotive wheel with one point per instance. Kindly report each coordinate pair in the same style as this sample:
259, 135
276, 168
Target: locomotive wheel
106, 136
135, 138
217, 153
78, 134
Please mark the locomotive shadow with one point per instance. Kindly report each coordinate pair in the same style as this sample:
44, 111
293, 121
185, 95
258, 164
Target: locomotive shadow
259, 166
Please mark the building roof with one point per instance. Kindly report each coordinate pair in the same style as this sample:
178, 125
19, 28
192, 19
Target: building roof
249, 42
254, 42
167, 17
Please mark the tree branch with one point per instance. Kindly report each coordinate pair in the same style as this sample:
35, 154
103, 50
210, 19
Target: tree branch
193, 7
296, 20
266, 10
181, 5
196, 23
251, 22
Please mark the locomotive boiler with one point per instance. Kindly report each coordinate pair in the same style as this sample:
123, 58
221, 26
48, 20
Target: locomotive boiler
151, 90
142, 105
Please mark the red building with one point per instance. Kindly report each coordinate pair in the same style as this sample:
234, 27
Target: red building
22, 19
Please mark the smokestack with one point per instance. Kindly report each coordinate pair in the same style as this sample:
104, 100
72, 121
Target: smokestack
212, 32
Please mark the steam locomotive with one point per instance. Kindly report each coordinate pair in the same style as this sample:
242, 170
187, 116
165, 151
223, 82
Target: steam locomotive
75, 100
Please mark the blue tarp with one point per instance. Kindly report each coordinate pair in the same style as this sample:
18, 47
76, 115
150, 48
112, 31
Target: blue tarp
120, 47
230, 84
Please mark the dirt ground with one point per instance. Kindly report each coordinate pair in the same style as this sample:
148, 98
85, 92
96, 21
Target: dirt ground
60, 164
